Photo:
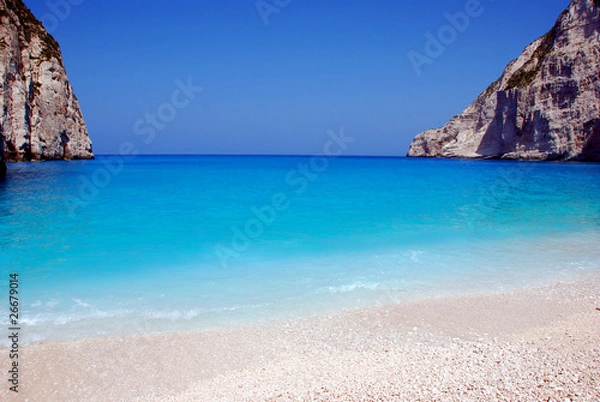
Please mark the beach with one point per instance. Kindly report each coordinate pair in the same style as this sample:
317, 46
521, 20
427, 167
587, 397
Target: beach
539, 343
271, 202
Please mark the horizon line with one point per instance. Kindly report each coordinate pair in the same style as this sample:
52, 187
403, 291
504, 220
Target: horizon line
263, 155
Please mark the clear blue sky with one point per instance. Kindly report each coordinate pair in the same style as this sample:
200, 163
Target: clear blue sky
277, 88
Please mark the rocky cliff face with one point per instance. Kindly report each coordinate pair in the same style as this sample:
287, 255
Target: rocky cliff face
40, 118
545, 106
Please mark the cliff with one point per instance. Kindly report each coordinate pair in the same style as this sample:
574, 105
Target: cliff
40, 118
545, 106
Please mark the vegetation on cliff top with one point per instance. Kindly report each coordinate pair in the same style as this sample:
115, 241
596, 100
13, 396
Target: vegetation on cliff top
33, 27
524, 77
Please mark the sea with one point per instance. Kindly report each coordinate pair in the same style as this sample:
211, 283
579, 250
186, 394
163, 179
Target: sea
122, 246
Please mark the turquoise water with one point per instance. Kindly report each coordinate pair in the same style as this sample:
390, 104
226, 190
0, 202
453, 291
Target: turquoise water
113, 247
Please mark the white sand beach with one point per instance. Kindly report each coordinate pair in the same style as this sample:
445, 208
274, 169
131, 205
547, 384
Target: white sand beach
539, 344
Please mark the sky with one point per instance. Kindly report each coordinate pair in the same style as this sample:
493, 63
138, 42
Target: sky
274, 76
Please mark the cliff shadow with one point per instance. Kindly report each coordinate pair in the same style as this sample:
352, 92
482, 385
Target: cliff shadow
591, 149
514, 130
493, 142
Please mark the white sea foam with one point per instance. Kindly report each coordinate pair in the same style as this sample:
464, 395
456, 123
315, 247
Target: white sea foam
172, 315
67, 317
353, 286
81, 303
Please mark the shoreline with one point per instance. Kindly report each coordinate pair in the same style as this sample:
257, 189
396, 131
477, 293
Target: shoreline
453, 347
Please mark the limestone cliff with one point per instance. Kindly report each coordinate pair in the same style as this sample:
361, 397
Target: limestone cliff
545, 106
40, 118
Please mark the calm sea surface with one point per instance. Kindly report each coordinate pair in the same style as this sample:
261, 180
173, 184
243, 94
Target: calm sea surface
113, 247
